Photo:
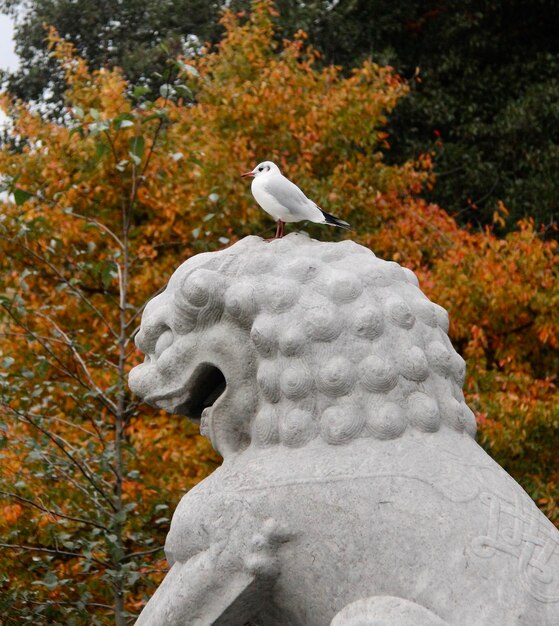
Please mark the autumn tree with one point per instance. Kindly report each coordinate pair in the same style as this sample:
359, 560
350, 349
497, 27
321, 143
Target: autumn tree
79, 502
109, 200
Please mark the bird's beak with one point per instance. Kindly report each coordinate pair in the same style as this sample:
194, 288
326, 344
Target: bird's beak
247, 174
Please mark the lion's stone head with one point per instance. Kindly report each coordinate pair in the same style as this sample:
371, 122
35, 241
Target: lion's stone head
286, 342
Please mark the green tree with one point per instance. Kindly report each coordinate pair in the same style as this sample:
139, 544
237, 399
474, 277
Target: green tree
136, 35
485, 99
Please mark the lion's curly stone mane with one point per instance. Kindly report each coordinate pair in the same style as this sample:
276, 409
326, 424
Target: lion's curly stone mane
345, 345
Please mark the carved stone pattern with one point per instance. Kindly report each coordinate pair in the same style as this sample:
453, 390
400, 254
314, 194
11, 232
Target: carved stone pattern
520, 532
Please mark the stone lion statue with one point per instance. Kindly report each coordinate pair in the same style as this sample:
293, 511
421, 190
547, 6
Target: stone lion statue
352, 491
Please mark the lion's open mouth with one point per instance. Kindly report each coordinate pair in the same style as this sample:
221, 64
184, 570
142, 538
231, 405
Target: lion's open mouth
206, 385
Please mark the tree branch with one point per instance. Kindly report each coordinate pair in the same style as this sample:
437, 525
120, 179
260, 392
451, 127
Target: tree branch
63, 279
56, 440
106, 402
133, 555
15, 546
105, 229
79, 359
52, 512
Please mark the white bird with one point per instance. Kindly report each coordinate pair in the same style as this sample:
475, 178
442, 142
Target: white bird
284, 201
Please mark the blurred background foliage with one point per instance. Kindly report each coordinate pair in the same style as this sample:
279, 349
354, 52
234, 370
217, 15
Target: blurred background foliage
112, 177
483, 74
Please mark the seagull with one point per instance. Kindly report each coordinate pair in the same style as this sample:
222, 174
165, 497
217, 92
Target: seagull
284, 201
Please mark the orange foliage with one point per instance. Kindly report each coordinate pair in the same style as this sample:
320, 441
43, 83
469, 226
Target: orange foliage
10, 514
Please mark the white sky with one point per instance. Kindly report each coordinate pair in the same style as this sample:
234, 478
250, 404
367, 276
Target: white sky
8, 58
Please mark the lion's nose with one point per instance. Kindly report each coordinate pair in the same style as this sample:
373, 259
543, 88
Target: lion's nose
165, 340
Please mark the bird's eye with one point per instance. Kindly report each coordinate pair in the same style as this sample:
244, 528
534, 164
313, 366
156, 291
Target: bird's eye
260, 169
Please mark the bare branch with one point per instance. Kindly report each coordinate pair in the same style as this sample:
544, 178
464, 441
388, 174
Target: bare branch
133, 555
80, 360
54, 461
156, 571
68, 603
112, 144
140, 309
61, 444
102, 397
72, 425
101, 226
90, 353
77, 555
121, 290
49, 511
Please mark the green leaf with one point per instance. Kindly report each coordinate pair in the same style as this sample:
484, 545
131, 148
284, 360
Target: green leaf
97, 127
196, 161
94, 114
108, 274
50, 581
167, 73
159, 114
189, 69
77, 129
136, 146
124, 120
166, 90
42, 369
184, 91
139, 91
101, 149
21, 196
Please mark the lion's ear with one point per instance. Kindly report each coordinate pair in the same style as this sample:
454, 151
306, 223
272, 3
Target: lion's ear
199, 300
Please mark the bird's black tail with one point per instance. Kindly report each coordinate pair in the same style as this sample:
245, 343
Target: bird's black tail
335, 221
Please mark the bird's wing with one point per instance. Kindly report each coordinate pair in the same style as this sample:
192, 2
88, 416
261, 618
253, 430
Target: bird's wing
292, 198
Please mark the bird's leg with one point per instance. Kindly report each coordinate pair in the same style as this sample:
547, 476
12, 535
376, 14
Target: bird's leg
282, 229
278, 230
